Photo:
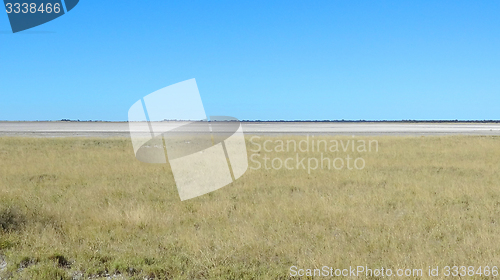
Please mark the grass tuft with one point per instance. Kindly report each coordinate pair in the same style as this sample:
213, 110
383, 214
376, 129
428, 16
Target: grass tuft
11, 218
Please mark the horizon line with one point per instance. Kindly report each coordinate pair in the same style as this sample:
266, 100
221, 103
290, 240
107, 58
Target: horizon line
285, 121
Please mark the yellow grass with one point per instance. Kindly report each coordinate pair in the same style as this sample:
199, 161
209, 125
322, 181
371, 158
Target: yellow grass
73, 207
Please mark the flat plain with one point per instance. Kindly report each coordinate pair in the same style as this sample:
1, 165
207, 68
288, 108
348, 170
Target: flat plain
73, 208
121, 129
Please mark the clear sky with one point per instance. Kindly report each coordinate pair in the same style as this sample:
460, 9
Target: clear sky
372, 60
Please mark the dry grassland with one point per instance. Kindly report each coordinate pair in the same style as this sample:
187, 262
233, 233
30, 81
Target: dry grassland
75, 208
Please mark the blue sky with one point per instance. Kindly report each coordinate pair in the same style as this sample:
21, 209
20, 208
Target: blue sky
371, 60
